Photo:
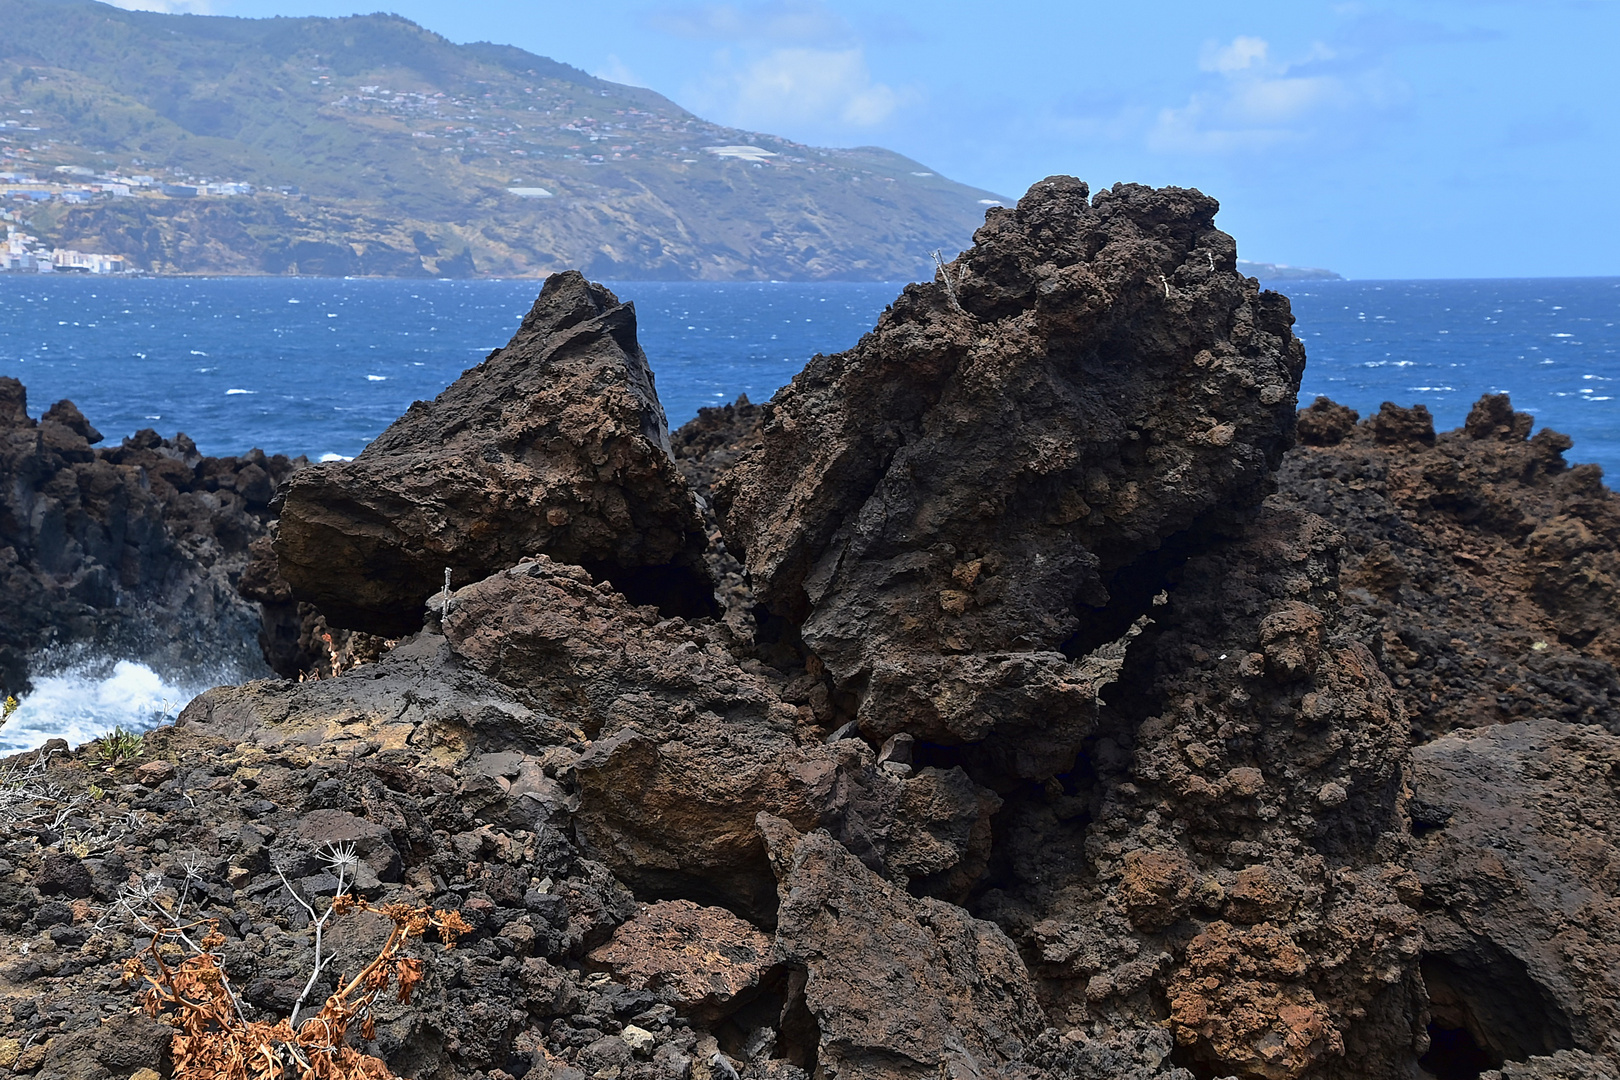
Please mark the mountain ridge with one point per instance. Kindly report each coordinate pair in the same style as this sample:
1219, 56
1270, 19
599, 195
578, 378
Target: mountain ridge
375, 146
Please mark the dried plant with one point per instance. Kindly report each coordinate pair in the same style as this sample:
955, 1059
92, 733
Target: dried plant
26, 789
217, 1041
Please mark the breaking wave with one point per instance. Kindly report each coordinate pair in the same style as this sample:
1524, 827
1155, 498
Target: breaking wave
88, 698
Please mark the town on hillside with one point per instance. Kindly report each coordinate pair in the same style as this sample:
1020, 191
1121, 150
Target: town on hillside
24, 252
77, 184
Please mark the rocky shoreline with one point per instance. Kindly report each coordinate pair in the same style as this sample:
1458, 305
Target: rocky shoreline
1026, 692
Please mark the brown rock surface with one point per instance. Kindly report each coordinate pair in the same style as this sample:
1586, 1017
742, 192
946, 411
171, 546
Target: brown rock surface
1233, 845
556, 443
898, 987
953, 509
1492, 566
1129, 795
688, 745
1519, 854
710, 960
705, 447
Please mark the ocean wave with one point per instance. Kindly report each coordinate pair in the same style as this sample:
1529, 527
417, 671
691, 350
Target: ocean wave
88, 699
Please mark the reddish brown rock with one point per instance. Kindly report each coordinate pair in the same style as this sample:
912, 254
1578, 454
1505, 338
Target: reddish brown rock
953, 510
556, 443
1236, 845
706, 960
899, 987
688, 746
1325, 423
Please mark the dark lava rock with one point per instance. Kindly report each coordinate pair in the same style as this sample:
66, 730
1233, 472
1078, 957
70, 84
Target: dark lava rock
63, 875
1521, 885
952, 510
1240, 805
1055, 752
909, 987
132, 550
1325, 423
705, 448
688, 746
1485, 569
555, 444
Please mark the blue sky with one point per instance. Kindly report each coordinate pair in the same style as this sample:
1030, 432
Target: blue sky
1429, 138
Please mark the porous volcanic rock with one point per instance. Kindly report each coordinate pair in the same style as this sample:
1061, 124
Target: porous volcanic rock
708, 959
949, 512
556, 443
1488, 567
687, 745
131, 551
898, 987
1233, 846
1519, 854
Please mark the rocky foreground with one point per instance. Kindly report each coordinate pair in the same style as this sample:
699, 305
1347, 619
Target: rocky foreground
1010, 697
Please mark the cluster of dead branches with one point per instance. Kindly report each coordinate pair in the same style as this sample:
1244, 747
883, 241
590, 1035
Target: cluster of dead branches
216, 1040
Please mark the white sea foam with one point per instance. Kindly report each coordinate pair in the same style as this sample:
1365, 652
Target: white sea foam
335, 457
89, 699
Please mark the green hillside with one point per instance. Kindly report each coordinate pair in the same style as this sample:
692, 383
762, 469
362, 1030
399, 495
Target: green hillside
377, 147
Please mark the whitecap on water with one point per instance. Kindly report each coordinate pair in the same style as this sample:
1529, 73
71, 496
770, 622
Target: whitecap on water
336, 457
87, 700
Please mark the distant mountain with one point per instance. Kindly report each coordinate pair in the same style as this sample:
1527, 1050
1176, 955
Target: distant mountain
373, 146
1279, 272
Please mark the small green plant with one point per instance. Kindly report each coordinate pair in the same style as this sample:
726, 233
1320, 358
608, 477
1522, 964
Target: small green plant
96, 793
118, 747
11, 705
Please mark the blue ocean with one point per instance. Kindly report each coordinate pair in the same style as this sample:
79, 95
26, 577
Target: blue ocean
320, 367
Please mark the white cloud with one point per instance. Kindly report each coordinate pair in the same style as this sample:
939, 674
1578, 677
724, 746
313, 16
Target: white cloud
1251, 101
1243, 53
788, 87
168, 7
615, 70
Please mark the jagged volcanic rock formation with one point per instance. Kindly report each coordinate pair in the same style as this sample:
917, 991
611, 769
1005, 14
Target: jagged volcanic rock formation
688, 746
1490, 565
1482, 568
133, 550
1232, 846
556, 443
950, 511
1084, 768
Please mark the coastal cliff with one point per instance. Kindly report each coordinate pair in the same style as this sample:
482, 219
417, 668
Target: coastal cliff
1049, 713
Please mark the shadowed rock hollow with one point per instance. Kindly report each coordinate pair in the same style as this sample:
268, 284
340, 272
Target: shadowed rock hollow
556, 443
